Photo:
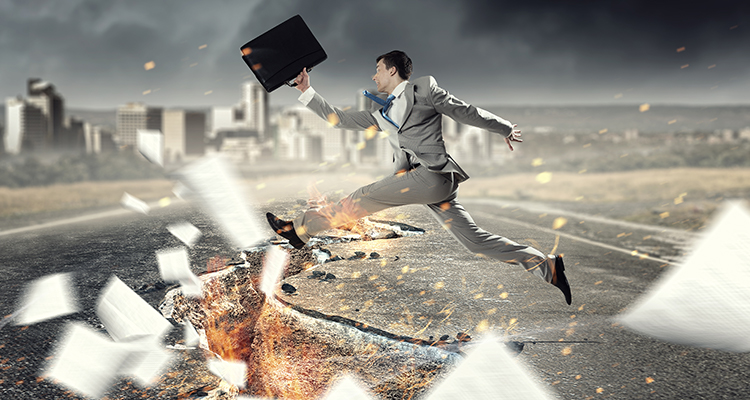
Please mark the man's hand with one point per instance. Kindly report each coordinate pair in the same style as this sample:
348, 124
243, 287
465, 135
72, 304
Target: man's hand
515, 136
302, 80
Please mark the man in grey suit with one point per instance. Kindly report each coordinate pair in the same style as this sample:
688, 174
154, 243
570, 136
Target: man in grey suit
424, 172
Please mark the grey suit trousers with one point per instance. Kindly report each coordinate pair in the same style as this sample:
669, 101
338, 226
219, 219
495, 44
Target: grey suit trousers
438, 192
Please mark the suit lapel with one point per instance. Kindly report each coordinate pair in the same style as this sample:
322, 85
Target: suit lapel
409, 93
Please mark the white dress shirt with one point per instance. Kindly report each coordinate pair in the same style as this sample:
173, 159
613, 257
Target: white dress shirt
396, 112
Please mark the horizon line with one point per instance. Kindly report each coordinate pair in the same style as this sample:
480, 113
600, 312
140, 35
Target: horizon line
482, 105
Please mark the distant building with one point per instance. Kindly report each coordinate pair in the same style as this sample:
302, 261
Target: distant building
134, 116
43, 95
372, 146
222, 118
450, 128
73, 136
630, 135
241, 145
184, 133
14, 124
255, 107
729, 135
98, 139
303, 135
476, 147
26, 126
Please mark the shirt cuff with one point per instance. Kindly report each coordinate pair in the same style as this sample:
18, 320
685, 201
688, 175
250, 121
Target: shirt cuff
307, 96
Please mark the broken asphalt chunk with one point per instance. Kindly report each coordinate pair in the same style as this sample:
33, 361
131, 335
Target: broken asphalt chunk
288, 289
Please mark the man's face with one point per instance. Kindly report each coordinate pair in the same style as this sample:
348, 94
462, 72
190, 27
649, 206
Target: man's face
383, 76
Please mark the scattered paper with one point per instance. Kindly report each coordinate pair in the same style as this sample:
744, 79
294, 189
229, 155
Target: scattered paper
186, 232
134, 204
190, 335
273, 268
346, 388
146, 360
126, 316
219, 190
233, 372
174, 266
151, 145
46, 298
87, 362
182, 192
489, 372
704, 302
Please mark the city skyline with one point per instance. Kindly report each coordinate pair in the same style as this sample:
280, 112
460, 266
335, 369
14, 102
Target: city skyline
487, 53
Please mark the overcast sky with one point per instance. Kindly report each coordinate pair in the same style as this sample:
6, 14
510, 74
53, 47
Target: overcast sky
487, 52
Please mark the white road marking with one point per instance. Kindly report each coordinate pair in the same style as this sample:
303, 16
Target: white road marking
534, 207
574, 237
82, 218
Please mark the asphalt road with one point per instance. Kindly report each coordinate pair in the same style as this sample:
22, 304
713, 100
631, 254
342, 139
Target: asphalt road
575, 350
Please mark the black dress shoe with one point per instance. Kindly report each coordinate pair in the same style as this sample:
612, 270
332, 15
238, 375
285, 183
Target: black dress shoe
562, 281
286, 230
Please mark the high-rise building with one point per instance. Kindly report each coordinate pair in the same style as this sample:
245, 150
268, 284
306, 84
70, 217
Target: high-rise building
134, 116
25, 126
255, 106
44, 96
14, 123
184, 133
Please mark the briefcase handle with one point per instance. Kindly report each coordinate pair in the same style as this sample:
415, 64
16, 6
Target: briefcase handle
291, 83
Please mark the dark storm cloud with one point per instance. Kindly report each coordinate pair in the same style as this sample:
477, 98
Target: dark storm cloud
483, 50
639, 34
95, 51
537, 51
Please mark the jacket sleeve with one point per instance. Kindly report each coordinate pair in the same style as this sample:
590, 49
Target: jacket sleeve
460, 111
344, 119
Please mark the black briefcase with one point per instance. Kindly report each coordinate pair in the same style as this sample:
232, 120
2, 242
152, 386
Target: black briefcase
278, 56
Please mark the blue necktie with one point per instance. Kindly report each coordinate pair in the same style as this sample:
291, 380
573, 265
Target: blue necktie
385, 103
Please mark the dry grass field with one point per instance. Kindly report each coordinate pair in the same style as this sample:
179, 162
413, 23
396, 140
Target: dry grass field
690, 192
614, 187
77, 196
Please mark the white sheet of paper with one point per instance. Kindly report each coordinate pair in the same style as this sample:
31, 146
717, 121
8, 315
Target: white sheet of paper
217, 186
704, 302
186, 232
190, 335
273, 268
489, 372
46, 298
174, 266
134, 204
233, 372
126, 316
151, 145
146, 360
346, 388
86, 362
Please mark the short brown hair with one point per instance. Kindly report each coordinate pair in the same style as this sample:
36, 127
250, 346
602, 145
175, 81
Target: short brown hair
398, 59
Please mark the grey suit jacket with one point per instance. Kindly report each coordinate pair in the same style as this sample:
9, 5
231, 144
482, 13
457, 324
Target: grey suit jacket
420, 135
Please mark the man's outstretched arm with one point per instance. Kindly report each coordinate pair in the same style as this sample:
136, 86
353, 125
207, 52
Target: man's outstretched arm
465, 113
344, 119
